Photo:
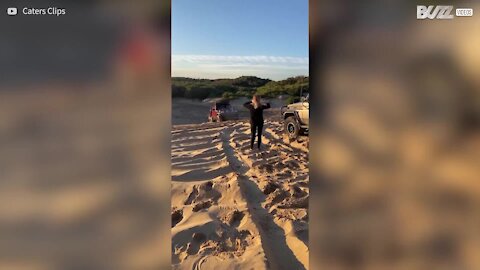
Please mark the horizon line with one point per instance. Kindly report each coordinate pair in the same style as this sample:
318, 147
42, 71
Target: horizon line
234, 66
237, 77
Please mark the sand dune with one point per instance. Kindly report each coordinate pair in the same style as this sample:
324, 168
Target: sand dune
234, 208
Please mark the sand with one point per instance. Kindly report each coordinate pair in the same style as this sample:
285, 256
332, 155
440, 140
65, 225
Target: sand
188, 111
234, 208
84, 181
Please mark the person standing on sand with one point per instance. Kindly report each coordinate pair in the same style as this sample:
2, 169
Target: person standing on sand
256, 118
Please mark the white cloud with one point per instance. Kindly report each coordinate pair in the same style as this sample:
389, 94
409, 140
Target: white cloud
218, 66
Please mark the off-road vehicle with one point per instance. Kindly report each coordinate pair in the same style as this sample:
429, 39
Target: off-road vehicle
296, 117
221, 110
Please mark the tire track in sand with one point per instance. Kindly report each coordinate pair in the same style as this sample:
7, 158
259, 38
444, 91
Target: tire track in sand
278, 254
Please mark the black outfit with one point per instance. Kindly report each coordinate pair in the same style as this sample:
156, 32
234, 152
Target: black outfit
256, 121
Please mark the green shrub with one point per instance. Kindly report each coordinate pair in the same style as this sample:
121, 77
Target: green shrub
244, 86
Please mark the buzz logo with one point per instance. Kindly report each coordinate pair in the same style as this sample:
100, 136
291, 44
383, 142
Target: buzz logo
435, 12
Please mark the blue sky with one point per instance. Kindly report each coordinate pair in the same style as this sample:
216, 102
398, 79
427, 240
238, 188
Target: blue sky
231, 38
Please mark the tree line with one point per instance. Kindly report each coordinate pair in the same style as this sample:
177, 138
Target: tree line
244, 86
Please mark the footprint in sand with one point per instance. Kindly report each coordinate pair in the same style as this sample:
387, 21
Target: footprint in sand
266, 167
231, 217
193, 194
295, 203
292, 165
202, 205
177, 216
276, 197
298, 192
270, 187
235, 218
203, 193
207, 186
280, 166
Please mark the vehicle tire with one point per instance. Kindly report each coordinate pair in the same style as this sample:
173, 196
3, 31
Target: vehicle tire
292, 128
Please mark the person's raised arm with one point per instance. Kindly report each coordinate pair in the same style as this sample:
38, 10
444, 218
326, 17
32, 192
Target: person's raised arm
266, 106
247, 104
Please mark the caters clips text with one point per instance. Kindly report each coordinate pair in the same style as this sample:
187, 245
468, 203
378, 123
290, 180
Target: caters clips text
44, 11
